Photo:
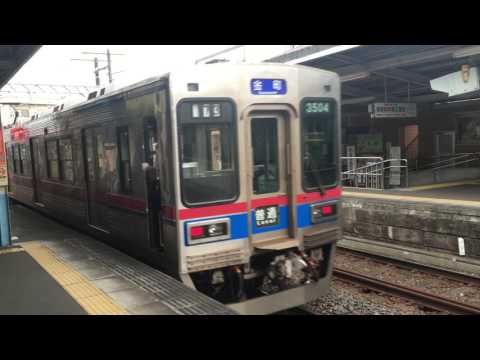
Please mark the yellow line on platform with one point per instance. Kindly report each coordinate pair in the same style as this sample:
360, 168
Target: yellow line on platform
443, 185
11, 250
93, 300
413, 199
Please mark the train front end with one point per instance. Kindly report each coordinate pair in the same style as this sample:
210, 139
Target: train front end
257, 182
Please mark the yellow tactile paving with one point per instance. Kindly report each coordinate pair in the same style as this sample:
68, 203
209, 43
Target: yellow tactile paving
12, 250
443, 185
93, 300
414, 199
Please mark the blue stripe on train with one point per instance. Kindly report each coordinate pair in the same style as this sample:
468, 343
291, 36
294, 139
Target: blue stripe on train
239, 223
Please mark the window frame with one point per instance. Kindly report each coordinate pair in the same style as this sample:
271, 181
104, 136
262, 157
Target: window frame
335, 119
235, 155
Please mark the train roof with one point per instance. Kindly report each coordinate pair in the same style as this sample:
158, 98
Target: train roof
153, 82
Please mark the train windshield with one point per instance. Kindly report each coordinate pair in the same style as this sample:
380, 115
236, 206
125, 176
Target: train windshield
207, 152
319, 144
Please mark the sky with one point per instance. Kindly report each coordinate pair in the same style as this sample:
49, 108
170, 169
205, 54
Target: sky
52, 64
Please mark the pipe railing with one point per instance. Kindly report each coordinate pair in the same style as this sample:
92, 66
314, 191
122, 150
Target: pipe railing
372, 176
454, 159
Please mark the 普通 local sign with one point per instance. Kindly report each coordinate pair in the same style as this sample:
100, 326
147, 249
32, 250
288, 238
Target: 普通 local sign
393, 110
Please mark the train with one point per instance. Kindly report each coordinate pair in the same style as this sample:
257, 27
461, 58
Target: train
225, 176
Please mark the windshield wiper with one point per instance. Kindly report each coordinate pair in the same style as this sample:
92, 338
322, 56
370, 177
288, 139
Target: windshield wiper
319, 183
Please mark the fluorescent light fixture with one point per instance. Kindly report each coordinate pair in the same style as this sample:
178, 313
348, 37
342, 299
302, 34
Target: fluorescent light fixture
319, 54
469, 51
355, 76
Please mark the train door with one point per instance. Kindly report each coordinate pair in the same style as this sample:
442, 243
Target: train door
93, 141
36, 156
270, 188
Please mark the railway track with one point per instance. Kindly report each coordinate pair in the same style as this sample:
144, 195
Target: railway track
410, 265
427, 300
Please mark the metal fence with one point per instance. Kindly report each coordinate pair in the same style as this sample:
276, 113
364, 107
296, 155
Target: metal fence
374, 172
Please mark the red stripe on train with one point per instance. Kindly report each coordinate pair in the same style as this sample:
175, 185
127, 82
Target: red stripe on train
212, 211
315, 196
275, 200
123, 201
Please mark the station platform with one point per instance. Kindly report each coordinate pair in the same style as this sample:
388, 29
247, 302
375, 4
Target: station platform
434, 225
461, 193
54, 270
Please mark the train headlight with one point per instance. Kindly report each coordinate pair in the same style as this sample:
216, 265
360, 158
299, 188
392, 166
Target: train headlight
322, 211
207, 231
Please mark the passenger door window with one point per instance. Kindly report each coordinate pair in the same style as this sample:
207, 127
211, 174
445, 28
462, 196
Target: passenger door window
124, 157
66, 160
52, 160
265, 156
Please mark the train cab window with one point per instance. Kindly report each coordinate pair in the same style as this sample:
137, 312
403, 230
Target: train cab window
319, 144
124, 158
207, 150
66, 159
52, 160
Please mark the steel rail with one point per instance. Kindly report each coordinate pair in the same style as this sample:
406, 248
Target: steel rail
429, 300
407, 265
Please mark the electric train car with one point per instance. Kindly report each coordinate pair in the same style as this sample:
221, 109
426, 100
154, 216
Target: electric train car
224, 176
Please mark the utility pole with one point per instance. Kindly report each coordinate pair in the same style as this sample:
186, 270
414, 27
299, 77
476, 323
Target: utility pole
96, 61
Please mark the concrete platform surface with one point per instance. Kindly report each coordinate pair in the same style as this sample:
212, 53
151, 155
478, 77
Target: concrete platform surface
27, 289
57, 270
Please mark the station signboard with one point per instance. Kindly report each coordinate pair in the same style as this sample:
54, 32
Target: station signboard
393, 110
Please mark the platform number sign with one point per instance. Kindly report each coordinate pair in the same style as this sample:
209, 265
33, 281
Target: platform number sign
266, 216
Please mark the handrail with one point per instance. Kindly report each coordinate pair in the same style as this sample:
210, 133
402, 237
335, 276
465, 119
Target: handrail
373, 175
455, 164
372, 165
459, 156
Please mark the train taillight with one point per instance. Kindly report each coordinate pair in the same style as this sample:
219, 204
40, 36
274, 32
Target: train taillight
322, 211
207, 231
197, 232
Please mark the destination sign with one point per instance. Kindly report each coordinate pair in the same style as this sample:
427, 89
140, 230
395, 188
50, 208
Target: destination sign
268, 87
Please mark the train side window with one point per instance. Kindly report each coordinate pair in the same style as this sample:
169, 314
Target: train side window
52, 160
124, 159
66, 160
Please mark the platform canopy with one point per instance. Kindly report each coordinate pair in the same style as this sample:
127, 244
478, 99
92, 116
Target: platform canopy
398, 72
12, 58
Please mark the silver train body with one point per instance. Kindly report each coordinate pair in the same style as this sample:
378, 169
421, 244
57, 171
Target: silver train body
224, 176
